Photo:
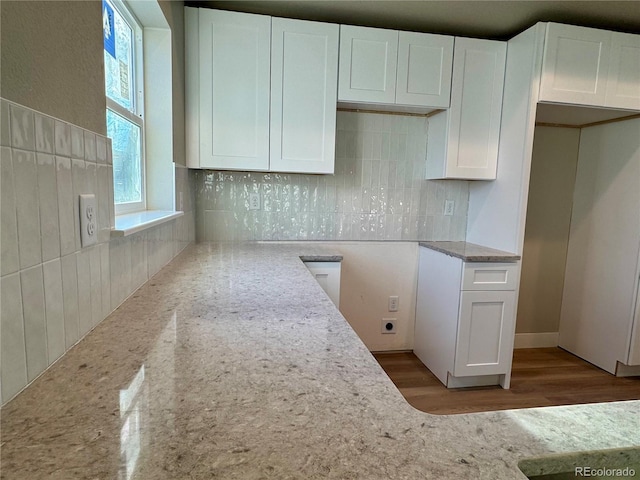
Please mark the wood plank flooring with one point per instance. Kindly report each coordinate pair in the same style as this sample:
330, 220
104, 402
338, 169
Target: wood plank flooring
541, 377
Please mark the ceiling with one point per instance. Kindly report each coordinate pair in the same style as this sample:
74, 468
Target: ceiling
499, 20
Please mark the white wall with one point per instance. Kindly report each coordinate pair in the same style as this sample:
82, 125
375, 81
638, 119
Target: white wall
553, 173
371, 272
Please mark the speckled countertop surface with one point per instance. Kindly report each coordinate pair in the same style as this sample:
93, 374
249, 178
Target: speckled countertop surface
470, 252
232, 363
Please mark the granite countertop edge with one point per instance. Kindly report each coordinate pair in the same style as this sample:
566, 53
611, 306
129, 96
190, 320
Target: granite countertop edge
470, 252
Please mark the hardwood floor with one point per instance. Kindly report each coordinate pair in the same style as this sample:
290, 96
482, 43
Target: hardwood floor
541, 377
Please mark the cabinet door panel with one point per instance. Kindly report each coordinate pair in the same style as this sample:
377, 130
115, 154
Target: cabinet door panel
304, 76
485, 333
623, 86
368, 62
234, 90
424, 69
472, 125
576, 65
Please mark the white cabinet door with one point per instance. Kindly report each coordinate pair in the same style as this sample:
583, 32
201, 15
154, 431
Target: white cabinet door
463, 141
368, 63
424, 69
485, 333
327, 274
575, 65
623, 85
304, 74
234, 70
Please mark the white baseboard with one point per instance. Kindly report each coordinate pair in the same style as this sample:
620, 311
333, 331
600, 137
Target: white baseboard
536, 340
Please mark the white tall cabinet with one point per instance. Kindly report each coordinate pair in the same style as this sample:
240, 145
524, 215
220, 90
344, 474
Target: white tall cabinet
261, 92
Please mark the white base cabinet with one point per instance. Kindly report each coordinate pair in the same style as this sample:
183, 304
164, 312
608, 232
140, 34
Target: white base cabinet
465, 319
327, 274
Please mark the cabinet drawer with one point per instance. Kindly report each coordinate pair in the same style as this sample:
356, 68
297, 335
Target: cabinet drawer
489, 276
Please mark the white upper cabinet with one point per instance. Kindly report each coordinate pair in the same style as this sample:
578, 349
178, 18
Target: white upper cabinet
368, 63
586, 66
232, 65
463, 141
261, 92
623, 86
394, 68
424, 69
304, 70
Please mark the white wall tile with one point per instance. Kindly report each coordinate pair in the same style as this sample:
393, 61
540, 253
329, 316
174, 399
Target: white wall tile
92, 179
80, 185
48, 202
89, 146
62, 138
44, 133
120, 269
139, 273
66, 209
70, 297
9, 261
77, 142
14, 357
28, 217
35, 328
23, 133
96, 285
85, 321
105, 275
101, 149
104, 227
5, 123
109, 151
54, 309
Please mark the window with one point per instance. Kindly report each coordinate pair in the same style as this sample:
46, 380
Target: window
123, 70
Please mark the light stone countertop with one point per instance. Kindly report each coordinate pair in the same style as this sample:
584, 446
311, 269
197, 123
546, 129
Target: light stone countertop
470, 252
232, 363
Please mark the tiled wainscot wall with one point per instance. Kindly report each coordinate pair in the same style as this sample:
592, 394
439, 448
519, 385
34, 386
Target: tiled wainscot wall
53, 291
378, 192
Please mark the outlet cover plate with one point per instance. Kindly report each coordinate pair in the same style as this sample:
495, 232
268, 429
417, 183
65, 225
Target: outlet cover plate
88, 219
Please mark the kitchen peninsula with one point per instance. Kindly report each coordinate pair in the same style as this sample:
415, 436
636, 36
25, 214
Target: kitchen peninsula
231, 362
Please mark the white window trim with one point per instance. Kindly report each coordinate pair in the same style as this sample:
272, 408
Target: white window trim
158, 122
137, 114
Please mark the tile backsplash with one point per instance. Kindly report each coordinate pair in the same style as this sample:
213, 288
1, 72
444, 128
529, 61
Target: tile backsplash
53, 290
378, 192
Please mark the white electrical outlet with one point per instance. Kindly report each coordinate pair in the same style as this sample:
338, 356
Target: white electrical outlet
394, 301
449, 206
254, 201
388, 325
88, 219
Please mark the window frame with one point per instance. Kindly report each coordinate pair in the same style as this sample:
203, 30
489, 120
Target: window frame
135, 115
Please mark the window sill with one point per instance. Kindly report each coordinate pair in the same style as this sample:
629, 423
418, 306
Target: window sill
137, 222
